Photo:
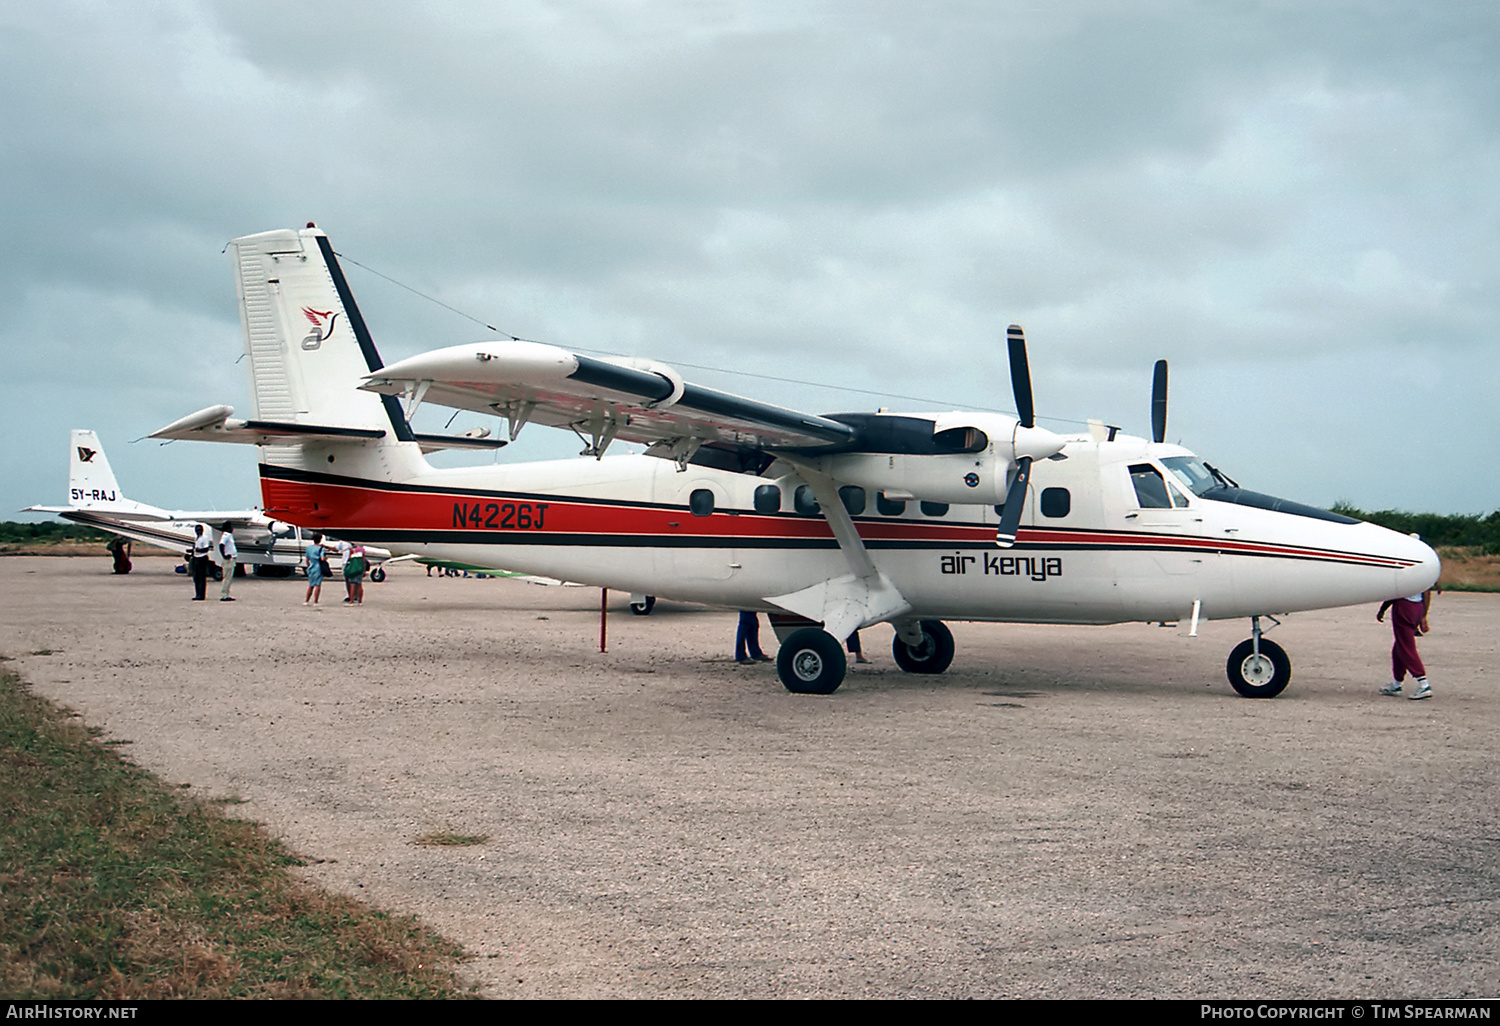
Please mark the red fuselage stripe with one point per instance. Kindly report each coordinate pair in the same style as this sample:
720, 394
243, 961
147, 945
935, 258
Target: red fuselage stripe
371, 508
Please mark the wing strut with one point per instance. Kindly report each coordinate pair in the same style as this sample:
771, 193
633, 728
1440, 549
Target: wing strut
863, 596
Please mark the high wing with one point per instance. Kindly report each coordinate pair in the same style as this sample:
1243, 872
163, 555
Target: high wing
601, 400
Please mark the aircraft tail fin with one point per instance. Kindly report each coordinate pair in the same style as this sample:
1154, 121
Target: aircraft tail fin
309, 351
306, 340
91, 482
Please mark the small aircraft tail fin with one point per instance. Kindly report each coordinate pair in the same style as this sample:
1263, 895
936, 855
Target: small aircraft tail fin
91, 482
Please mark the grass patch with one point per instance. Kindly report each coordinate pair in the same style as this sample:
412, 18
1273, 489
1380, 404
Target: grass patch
444, 839
111, 887
1468, 569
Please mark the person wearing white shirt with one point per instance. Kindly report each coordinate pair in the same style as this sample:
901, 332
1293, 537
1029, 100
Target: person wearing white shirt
227, 552
203, 545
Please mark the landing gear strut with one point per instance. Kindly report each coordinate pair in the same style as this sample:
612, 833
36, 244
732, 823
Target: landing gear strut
1258, 668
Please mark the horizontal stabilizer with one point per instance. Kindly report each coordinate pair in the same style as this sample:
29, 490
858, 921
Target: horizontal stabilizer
436, 443
217, 424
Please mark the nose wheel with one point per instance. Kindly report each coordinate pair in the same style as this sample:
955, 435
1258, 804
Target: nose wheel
1263, 674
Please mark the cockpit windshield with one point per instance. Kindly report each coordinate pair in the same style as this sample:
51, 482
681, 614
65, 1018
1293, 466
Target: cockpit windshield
1209, 482
1197, 476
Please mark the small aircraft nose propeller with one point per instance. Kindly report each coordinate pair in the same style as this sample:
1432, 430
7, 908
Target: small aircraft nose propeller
1159, 402
1020, 383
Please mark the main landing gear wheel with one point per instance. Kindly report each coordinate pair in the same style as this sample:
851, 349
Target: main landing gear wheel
932, 655
378, 574
811, 662
1259, 676
644, 607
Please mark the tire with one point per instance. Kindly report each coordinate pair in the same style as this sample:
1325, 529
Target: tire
216, 572
933, 655
644, 608
811, 662
378, 574
1267, 679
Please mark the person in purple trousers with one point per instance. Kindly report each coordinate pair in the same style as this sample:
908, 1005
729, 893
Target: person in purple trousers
1408, 619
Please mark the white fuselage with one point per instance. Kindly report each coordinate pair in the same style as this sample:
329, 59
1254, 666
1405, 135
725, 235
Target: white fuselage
633, 523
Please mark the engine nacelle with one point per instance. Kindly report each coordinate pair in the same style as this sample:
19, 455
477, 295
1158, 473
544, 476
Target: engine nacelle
957, 458
958, 478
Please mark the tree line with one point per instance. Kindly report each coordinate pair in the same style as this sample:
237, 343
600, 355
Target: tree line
1458, 530
49, 531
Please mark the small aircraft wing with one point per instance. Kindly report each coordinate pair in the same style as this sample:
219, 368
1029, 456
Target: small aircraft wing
601, 400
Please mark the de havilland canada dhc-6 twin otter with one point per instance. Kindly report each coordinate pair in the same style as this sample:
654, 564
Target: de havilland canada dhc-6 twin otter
845, 520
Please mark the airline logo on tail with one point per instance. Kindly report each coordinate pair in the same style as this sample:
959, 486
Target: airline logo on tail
317, 318
85, 455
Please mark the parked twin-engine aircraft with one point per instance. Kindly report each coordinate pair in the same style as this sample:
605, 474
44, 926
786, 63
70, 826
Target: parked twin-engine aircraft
846, 520
95, 499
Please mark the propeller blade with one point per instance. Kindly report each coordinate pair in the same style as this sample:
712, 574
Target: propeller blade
1020, 375
1159, 402
1015, 498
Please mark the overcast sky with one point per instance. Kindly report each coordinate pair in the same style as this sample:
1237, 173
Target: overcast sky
1294, 203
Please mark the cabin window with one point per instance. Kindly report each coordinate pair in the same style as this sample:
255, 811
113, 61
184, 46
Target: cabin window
934, 509
889, 507
701, 502
1150, 489
853, 497
767, 499
1056, 502
804, 502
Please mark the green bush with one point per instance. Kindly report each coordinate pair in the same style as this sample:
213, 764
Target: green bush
49, 531
1467, 531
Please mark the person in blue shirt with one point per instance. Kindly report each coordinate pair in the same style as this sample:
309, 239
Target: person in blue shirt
316, 554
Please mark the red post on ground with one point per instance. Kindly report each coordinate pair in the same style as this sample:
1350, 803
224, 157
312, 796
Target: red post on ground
603, 606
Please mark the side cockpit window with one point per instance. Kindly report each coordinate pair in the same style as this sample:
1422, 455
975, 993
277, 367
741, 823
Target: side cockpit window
1153, 491
1150, 487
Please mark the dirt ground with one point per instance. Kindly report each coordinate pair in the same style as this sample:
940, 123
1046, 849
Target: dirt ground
1068, 812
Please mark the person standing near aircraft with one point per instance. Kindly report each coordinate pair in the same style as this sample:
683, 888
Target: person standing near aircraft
119, 548
227, 552
1408, 619
354, 574
852, 644
202, 546
317, 556
747, 639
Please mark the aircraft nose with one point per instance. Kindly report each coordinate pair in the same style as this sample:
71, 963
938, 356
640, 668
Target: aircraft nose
1423, 574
